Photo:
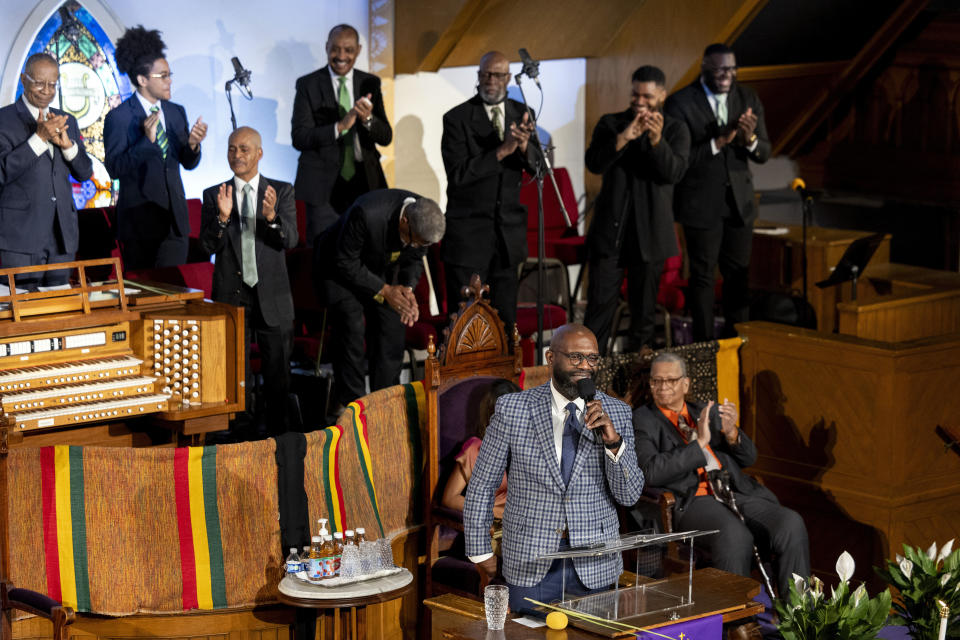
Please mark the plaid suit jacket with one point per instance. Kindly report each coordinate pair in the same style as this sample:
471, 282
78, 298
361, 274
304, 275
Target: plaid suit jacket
519, 440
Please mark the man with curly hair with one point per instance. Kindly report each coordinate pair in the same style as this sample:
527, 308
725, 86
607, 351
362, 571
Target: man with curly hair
146, 140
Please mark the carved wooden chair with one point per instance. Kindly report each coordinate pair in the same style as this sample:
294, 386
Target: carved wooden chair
475, 352
12, 598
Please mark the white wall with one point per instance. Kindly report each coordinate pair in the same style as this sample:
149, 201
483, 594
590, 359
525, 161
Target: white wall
278, 41
423, 98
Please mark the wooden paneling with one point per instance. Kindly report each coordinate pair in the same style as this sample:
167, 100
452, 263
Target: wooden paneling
670, 35
846, 434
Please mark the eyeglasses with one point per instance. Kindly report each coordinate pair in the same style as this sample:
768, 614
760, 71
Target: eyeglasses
576, 359
162, 76
486, 75
721, 70
37, 84
664, 382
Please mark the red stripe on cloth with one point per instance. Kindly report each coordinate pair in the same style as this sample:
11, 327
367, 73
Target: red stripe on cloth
188, 567
48, 493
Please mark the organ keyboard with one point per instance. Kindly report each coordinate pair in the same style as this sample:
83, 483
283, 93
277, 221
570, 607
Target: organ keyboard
170, 354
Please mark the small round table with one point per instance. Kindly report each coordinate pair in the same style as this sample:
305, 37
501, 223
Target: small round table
334, 602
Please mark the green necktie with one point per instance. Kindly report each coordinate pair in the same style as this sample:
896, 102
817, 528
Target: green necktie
495, 119
162, 141
722, 110
248, 235
346, 167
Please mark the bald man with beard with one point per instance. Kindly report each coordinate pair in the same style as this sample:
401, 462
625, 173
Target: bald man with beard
485, 151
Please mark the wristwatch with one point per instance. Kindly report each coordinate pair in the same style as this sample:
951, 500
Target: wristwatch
752, 139
613, 446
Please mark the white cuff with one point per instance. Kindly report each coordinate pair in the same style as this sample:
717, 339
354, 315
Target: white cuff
71, 153
39, 146
480, 558
752, 147
616, 456
713, 146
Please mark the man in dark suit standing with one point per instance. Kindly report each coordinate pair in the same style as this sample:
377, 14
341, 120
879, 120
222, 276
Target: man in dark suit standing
366, 266
338, 119
679, 443
39, 149
715, 200
248, 222
641, 154
145, 142
485, 150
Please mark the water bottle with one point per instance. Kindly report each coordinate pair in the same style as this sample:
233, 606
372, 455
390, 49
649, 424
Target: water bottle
293, 562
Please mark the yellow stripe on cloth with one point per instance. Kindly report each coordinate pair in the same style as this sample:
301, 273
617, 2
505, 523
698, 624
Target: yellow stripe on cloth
68, 580
728, 370
198, 523
333, 482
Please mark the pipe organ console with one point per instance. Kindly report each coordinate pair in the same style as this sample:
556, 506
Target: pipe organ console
105, 354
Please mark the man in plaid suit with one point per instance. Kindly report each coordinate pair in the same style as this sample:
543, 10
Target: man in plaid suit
567, 460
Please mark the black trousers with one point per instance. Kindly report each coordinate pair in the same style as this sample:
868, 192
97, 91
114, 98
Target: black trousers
355, 320
503, 288
276, 348
155, 243
773, 527
726, 244
52, 253
603, 297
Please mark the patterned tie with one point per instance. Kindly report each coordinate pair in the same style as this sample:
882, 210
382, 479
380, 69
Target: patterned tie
495, 119
722, 109
248, 234
346, 168
571, 438
689, 432
162, 141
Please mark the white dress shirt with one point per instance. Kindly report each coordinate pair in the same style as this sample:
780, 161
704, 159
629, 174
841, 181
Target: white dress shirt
714, 100
335, 79
238, 185
147, 106
489, 108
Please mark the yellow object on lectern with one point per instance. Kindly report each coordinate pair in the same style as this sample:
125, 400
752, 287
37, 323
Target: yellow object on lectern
557, 620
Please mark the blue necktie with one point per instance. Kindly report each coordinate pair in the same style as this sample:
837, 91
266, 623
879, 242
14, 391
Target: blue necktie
571, 438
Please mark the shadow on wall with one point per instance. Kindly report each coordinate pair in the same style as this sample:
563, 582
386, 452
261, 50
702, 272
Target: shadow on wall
413, 171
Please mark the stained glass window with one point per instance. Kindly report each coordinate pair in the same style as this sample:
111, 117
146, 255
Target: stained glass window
90, 86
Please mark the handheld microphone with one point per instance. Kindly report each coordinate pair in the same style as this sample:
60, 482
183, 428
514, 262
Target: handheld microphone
240, 75
530, 66
587, 389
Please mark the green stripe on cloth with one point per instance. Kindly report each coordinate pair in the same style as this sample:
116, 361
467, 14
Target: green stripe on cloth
218, 583
365, 458
79, 517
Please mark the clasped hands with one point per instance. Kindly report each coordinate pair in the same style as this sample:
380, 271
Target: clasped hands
53, 128
728, 423
225, 203
401, 300
516, 137
645, 120
362, 109
741, 134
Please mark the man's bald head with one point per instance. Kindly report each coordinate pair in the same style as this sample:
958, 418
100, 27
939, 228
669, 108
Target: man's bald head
251, 134
568, 332
492, 77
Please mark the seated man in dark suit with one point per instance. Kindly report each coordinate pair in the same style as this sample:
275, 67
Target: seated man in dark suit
248, 222
40, 148
366, 266
678, 443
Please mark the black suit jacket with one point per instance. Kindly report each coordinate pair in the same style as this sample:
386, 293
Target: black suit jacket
362, 251
273, 285
670, 463
35, 191
637, 183
699, 197
483, 194
146, 177
315, 112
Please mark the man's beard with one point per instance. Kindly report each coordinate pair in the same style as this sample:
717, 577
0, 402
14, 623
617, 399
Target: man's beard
566, 384
491, 98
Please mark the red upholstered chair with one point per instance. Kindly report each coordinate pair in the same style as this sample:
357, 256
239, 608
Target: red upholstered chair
301, 223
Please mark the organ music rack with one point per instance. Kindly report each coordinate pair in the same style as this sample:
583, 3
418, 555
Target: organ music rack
115, 362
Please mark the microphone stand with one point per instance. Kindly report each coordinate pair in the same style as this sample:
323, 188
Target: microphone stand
806, 213
244, 92
541, 168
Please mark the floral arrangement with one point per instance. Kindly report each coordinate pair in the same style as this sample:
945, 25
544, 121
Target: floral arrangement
807, 614
923, 578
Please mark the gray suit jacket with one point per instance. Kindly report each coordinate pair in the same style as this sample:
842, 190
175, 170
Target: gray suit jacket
539, 507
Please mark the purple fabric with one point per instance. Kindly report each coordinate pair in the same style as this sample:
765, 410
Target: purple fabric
709, 628
36, 601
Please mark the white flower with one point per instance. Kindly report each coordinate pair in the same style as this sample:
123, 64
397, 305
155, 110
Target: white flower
859, 593
945, 550
899, 558
798, 582
906, 567
944, 579
845, 566
817, 588
932, 551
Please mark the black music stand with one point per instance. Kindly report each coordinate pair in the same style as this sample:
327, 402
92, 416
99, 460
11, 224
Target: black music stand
853, 262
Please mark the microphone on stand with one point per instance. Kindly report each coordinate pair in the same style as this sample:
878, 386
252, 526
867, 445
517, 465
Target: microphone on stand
530, 67
241, 76
800, 186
